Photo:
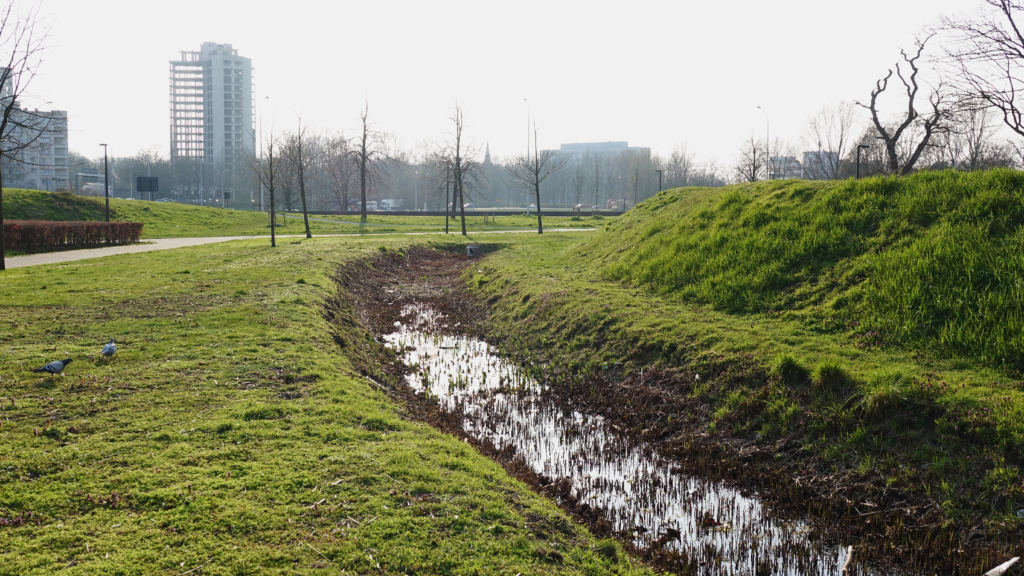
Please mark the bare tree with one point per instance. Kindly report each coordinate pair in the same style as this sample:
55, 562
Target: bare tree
303, 151
458, 155
706, 174
752, 160
638, 168
266, 165
339, 168
969, 142
891, 134
680, 167
22, 39
531, 172
988, 51
579, 178
594, 162
370, 155
831, 129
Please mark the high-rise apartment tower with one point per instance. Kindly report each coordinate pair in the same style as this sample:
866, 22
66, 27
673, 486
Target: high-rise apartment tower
35, 145
211, 106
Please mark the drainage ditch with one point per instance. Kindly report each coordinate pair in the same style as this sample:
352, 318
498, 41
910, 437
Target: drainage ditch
432, 355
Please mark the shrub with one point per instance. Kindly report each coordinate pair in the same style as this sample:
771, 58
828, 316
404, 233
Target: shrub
830, 375
788, 369
885, 390
44, 235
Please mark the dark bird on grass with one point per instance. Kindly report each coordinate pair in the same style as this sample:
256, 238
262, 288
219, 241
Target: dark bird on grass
54, 367
109, 349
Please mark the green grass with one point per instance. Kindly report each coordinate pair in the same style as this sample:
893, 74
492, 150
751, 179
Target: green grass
231, 432
934, 261
772, 293
174, 220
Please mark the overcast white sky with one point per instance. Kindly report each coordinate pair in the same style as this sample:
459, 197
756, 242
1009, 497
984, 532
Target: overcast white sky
652, 73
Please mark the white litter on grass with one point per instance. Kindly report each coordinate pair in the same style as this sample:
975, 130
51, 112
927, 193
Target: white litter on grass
1002, 568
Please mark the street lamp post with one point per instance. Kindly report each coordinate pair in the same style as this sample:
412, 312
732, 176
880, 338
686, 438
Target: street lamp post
859, 146
416, 190
446, 210
106, 181
659, 180
223, 188
767, 140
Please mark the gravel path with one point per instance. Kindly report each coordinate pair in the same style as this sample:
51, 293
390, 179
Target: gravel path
169, 243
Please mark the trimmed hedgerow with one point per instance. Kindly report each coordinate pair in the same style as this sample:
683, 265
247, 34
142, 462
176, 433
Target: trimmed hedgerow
41, 235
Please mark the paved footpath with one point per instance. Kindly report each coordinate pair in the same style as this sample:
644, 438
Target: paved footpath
168, 243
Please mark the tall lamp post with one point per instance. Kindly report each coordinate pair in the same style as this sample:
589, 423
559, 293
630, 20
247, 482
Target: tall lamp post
859, 146
223, 188
446, 209
659, 180
106, 181
767, 140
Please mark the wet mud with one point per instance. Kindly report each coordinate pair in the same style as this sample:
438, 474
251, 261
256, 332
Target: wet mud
629, 454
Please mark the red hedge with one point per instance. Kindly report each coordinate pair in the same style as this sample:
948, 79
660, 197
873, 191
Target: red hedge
45, 235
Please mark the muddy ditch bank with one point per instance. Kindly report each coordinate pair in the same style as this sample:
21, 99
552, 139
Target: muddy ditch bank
654, 411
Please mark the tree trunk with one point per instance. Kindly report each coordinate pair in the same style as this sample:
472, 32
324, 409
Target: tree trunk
3, 248
540, 222
273, 217
894, 161
462, 205
302, 195
362, 188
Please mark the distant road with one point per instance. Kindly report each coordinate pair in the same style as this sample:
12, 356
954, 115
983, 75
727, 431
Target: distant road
169, 243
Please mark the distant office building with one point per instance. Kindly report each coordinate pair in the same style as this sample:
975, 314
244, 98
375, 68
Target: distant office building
785, 168
580, 148
36, 142
211, 106
85, 177
819, 165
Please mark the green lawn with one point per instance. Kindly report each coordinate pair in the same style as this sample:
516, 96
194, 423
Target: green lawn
174, 220
231, 433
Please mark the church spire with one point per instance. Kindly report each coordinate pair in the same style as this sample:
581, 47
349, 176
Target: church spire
487, 154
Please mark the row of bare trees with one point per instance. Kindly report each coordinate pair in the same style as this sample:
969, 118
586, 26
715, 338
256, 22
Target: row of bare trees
952, 121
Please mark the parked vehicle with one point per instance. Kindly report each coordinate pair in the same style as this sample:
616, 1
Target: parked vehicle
469, 206
390, 204
371, 205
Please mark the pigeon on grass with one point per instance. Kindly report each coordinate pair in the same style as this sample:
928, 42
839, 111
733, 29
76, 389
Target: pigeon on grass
109, 349
54, 367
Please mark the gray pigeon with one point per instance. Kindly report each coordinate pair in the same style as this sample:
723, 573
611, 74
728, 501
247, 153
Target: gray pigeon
109, 349
54, 367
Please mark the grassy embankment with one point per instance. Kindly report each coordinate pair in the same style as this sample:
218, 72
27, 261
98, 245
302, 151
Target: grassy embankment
231, 433
883, 319
174, 220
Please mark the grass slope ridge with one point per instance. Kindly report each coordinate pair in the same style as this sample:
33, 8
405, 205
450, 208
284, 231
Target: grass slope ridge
175, 220
160, 219
934, 261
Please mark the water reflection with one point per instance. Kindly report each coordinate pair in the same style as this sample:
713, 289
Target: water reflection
644, 496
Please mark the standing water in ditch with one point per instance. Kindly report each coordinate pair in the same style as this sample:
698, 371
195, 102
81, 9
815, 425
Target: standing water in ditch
702, 524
